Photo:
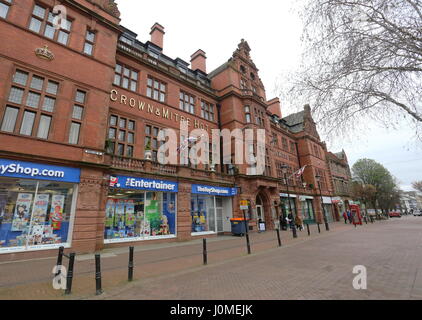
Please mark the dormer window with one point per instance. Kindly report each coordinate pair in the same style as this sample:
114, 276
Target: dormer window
126, 40
242, 69
252, 76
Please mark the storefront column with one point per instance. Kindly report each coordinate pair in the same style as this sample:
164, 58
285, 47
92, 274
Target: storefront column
184, 219
319, 218
90, 214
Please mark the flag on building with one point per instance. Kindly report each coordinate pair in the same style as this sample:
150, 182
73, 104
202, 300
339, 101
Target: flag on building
299, 173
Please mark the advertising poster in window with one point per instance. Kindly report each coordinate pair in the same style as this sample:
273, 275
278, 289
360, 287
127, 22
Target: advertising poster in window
22, 216
130, 213
169, 213
110, 207
153, 215
39, 211
119, 215
56, 211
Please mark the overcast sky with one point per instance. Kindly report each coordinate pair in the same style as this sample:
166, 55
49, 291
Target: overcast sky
273, 31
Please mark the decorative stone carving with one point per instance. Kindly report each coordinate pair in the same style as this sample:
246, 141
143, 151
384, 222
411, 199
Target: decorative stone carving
44, 53
109, 6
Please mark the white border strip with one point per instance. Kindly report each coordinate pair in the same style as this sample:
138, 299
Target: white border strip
139, 239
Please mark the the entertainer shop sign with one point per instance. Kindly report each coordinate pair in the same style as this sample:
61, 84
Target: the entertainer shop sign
29, 170
214, 191
143, 184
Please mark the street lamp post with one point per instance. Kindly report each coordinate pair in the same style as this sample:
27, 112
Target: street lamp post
318, 178
284, 170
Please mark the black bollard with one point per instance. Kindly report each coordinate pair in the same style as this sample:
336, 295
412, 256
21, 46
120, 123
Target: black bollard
319, 228
130, 267
248, 243
204, 252
59, 260
69, 278
309, 230
99, 291
279, 237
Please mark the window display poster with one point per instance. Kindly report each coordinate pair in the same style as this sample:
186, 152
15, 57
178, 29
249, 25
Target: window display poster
56, 211
110, 207
170, 211
153, 216
36, 235
39, 210
119, 215
130, 213
22, 216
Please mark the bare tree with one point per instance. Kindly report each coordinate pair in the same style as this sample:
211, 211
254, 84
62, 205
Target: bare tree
417, 185
362, 60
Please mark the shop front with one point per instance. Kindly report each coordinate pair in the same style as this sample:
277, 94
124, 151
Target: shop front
37, 205
328, 209
211, 209
285, 208
140, 209
307, 209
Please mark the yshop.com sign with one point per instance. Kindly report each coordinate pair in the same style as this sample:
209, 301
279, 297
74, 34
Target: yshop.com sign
29, 170
214, 191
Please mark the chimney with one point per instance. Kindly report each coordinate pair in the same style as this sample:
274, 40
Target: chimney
198, 61
274, 107
157, 35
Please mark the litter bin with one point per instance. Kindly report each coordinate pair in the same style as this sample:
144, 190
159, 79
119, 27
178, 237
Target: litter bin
239, 226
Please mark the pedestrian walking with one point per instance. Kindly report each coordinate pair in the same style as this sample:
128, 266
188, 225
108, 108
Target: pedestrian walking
345, 217
299, 224
349, 216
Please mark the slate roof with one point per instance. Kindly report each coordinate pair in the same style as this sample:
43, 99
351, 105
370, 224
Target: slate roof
295, 121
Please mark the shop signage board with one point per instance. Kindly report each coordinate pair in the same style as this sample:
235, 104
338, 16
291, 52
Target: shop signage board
136, 183
285, 195
214, 191
304, 198
326, 200
38, 171
244, 205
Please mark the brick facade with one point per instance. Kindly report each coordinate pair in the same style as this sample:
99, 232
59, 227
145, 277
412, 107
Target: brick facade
292, 140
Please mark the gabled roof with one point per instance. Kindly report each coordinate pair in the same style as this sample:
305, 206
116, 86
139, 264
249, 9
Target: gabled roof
295, 121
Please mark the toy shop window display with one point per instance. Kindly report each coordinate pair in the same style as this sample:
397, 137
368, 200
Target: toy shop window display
34, 214
136, 216
203, 214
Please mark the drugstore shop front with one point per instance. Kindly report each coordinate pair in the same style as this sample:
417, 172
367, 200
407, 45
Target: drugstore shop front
37, 205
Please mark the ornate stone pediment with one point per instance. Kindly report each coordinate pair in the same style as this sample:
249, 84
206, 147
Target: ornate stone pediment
109, 6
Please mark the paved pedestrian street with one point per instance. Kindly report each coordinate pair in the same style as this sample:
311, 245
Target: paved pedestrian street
316, 267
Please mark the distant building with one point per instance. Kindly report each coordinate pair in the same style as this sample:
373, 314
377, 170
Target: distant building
411, 201
341, 179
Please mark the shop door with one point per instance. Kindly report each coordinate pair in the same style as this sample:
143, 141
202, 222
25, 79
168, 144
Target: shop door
260, 213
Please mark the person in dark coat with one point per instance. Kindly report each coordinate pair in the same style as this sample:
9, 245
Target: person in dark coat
345, 217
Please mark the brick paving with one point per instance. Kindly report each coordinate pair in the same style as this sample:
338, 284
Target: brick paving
316, 267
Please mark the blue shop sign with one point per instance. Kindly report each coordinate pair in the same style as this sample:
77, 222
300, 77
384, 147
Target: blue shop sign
29, 170
143, 184
214, 191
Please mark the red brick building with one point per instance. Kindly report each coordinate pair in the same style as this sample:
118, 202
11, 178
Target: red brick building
81, 108
341, 178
